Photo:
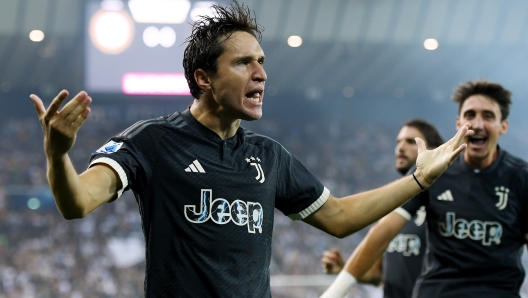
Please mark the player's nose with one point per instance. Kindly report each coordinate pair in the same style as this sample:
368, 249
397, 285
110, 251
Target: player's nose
259, 73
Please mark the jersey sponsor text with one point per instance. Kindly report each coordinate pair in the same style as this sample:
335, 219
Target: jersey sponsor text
405, 244
486, 231
221, 212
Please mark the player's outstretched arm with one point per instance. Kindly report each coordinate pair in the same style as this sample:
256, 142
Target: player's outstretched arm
75, 195
342, 217
366, 255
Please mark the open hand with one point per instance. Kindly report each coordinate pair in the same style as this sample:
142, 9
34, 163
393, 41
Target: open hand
61, 127
430, 164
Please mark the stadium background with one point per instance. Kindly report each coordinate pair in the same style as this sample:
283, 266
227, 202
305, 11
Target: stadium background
336, 102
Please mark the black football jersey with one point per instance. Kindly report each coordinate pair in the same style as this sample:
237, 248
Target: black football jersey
207, 204
477, 226
402, 261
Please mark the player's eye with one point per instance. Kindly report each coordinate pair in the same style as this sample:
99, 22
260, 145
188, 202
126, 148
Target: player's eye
469, 115
244, 62
489, 116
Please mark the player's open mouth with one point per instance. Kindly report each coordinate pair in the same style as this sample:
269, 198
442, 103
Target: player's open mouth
255, 96
478, 140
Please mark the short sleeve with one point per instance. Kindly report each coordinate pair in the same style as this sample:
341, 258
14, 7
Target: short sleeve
298, 193
131, 156
409, 209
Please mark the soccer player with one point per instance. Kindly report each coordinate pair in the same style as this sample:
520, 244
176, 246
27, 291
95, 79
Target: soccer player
477, 212
407, 249
205, 186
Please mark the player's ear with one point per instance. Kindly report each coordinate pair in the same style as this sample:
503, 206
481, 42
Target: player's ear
504, 126
202, 79
458, 122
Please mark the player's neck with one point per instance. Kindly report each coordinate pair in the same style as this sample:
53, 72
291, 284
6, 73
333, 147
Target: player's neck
479, 163
225, 127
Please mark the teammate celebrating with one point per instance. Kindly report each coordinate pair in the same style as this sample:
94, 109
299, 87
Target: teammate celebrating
407, 249
205, 186
476, 212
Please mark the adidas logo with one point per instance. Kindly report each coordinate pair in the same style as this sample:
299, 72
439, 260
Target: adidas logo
195, 167
445, 196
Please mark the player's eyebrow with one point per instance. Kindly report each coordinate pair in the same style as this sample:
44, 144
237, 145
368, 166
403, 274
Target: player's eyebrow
250, 57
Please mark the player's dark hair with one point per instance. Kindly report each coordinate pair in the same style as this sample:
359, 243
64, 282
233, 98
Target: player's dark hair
206, 42
494, 91
432, 136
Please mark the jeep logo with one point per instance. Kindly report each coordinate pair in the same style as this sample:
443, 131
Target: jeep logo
221, 212
405, 244
485, 231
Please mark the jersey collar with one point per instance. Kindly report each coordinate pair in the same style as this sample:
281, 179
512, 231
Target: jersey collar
208, 134
461, 165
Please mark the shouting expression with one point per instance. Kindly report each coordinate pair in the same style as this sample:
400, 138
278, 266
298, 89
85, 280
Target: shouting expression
237, 87
484, 114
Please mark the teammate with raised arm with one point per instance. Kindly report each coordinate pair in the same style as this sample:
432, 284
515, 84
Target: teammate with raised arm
206, 187
476, 212
407, 249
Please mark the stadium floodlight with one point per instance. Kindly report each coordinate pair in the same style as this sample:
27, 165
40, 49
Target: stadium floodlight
33, 203
159, 11
294, 41
36, 35
150, 36
111, 32
431, 44
166, 37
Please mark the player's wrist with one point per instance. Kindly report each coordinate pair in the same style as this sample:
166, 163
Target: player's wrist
420, 180
339, 288
56, 159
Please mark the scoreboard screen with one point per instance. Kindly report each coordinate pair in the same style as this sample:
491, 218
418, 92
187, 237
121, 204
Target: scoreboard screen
136, 46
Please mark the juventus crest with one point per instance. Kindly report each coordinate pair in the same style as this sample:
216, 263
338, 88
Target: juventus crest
502, 192
255, 162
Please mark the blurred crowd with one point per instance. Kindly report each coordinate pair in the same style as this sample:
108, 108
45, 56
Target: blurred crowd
102, 255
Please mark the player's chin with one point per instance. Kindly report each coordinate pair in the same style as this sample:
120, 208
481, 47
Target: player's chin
402, 163
251, 118
402, 169
251, 115
478, 153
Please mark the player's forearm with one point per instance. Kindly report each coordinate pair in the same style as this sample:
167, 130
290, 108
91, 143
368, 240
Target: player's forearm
68, 191
374, 275
368, 252
374, 279
342, 217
